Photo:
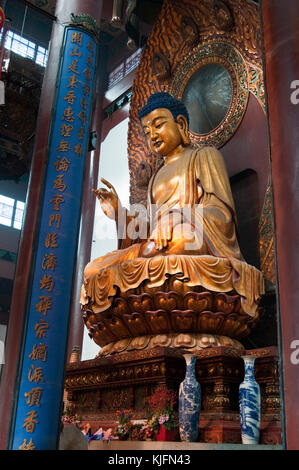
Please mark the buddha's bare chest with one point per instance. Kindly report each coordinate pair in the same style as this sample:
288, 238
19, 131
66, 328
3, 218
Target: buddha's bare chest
168, 182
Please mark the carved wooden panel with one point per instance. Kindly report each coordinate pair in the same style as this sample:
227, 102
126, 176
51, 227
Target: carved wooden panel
219, 370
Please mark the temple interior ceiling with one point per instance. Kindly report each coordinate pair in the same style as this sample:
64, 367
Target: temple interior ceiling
47, 6
32, 20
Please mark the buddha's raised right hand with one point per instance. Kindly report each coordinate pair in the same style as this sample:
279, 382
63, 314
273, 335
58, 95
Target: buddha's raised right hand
109, 200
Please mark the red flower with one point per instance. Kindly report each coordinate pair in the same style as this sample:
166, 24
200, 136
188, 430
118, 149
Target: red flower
161, 398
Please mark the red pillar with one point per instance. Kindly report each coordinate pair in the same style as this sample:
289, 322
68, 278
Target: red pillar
281, 39
28, 240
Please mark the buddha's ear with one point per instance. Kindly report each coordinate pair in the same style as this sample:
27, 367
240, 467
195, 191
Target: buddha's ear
183, 128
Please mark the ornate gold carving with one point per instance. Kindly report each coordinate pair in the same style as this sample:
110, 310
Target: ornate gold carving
143, 175
118, 399
189, 341
227, 55
221, 395
223, 15
145, 320
161, 67
88, 400
272, 399
238, 19
266, 238
189, 31
256, 84
86, 22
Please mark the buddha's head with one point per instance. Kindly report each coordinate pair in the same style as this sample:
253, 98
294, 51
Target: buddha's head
165, 122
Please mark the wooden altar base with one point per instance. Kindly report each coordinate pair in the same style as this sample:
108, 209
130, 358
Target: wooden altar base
98, 388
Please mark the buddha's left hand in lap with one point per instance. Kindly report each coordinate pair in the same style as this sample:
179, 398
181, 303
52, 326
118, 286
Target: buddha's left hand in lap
162, 233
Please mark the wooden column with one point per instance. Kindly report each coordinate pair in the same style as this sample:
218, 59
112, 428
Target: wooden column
281, 39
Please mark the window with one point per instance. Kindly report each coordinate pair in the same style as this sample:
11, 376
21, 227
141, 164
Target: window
124, 68
11, 212
41, 56
6, 210
21, 46
29, 30
18, 218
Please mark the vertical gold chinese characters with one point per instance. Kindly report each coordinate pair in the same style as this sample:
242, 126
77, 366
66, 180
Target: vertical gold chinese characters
67, 149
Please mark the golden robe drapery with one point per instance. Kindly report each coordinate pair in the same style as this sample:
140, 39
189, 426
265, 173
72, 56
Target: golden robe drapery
216, 263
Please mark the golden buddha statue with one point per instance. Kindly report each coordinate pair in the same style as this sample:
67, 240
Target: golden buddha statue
184, 243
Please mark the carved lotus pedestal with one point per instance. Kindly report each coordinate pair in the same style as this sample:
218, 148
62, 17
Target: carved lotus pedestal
172, 315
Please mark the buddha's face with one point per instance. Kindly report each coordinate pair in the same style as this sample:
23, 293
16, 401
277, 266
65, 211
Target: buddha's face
162, 132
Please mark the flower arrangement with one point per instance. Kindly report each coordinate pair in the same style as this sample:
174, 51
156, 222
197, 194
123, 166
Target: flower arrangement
146, 433
161, 417
135, 432
70, 416
161, 404
124, 428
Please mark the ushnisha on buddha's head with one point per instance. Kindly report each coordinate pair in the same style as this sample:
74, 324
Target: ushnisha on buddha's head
165, 123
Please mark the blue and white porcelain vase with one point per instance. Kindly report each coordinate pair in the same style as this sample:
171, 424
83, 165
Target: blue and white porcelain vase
250, 404
189, 402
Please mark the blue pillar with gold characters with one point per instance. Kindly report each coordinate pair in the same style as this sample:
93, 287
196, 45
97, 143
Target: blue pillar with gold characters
38, 408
